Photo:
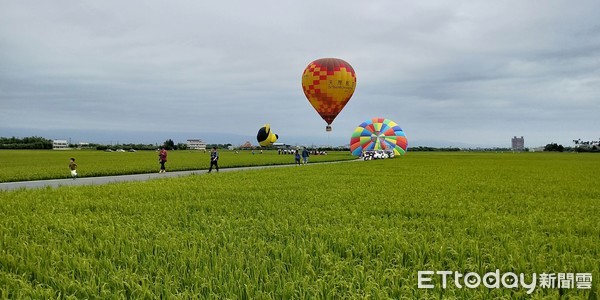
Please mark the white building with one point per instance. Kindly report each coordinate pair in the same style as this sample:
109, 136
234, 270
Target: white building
60, 144
196, 144
281, 146
537, 149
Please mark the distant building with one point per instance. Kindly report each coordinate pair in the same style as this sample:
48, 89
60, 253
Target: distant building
60, 144
537, 149
281, 146
196, 144
246, 145
518, 144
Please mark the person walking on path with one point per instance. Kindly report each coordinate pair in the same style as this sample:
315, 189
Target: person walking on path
297, 156
305, 156
162, 159
73, 167
214, 159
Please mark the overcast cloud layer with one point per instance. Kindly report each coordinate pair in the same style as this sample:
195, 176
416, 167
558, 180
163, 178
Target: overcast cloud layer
448, 72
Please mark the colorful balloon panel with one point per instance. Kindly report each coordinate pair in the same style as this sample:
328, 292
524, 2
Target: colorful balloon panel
328, 84
378, 134
265, 136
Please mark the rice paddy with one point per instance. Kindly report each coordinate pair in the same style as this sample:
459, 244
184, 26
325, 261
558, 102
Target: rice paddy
353, 230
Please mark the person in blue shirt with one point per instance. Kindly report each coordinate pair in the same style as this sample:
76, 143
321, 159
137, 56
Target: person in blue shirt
297, 157
305, 156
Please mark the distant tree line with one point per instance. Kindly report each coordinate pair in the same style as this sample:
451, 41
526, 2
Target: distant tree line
554, 147
594, 148
170, 145
218, 146
425, 148
579, 147
124, 147
33, 142
341, 148
587, 146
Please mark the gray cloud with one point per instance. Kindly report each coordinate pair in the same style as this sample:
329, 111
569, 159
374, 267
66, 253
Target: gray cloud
453, 71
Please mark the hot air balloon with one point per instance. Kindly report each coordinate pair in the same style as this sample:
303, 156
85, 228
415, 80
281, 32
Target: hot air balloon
378, 134
265, 137
328, 84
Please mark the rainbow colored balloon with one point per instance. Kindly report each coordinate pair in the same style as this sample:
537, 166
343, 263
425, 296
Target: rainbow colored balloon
378, 134
328, 84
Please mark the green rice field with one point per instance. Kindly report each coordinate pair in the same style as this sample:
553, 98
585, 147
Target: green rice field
21, 165
352, 230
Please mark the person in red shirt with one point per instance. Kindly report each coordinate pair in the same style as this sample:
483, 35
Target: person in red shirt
162, 159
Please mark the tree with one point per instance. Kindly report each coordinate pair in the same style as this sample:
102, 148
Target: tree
33, 142
169, 145
554, 147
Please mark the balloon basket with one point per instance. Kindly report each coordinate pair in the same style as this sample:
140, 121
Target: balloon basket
328, 128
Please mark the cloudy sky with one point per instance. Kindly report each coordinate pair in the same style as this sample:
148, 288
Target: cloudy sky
448, 72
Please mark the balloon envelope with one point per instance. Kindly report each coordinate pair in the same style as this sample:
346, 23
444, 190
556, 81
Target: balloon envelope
378, 134
328, 84
265, 137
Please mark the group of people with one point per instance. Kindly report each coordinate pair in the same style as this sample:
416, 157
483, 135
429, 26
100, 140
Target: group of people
162, 159
305, 154
214, 159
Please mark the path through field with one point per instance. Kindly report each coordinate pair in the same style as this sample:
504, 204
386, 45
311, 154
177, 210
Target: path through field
132, 177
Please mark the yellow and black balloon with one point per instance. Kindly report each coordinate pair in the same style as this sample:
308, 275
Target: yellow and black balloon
265, 136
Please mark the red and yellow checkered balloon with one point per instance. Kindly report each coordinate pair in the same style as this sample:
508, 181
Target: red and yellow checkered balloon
328, 83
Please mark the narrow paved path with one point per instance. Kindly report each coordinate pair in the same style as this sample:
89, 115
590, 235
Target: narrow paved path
133, 177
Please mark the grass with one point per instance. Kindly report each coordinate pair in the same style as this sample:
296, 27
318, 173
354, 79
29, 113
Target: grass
353, 230
22, 165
